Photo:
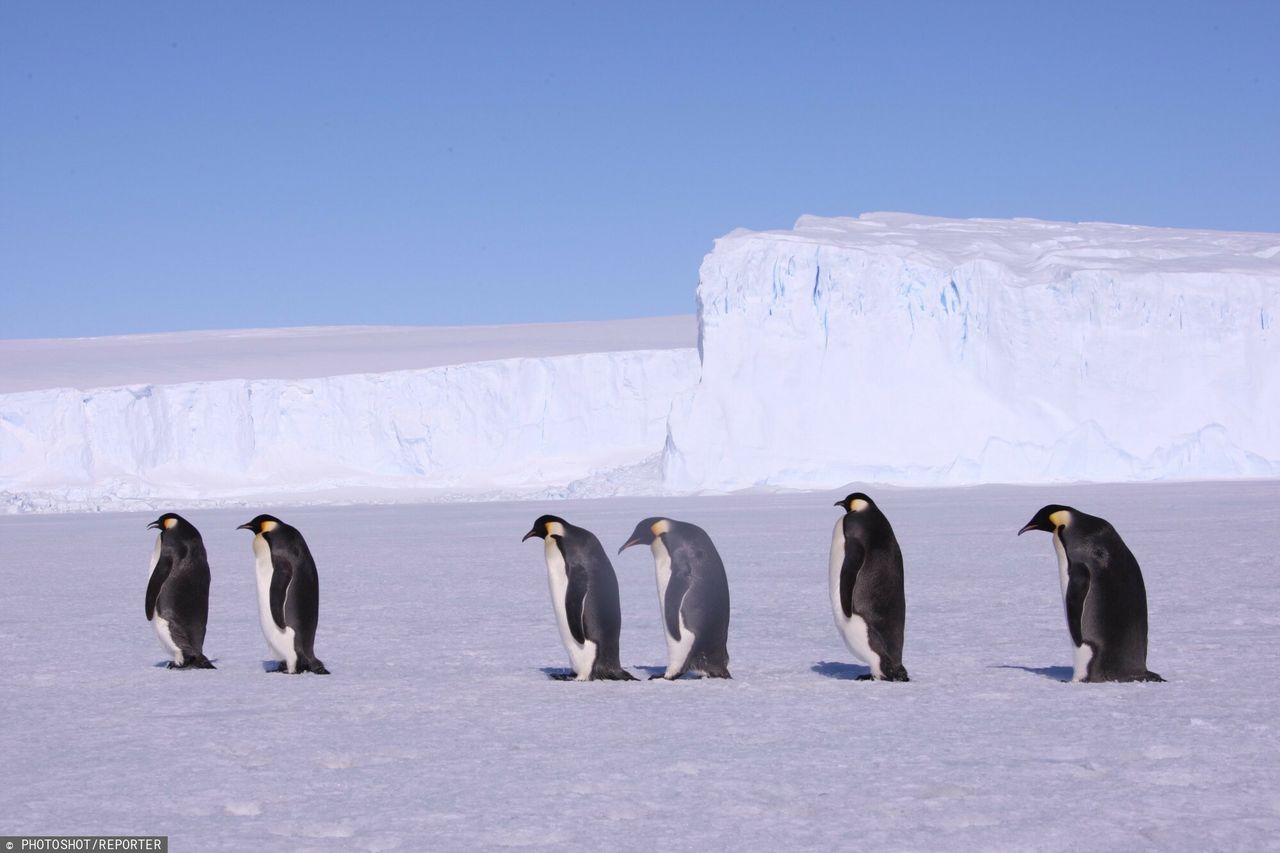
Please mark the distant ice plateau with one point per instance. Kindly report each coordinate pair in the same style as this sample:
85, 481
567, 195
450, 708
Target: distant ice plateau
890, 348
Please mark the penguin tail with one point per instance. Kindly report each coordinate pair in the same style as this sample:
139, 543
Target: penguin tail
1151, 676
201, 662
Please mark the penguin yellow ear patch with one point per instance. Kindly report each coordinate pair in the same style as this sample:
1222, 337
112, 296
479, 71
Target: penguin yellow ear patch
555, 528
268, 526
660, 527
169, 523
1061, 518
857, 505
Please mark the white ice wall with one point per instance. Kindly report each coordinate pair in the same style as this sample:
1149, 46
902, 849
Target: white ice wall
889, 348
510, 425
907, 349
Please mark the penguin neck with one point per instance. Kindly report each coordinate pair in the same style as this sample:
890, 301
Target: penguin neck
662, 573
1060, 548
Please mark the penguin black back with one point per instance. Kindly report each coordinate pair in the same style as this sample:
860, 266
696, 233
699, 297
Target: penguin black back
584, 597
693, 595
1103, 593
867, 587
177, 600
289, 593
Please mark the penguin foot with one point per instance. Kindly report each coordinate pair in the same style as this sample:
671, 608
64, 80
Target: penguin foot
315, 667
562, 676
898, 673
613, 675
663, 676
866, 676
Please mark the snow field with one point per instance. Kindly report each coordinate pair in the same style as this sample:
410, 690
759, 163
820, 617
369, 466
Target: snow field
439, 728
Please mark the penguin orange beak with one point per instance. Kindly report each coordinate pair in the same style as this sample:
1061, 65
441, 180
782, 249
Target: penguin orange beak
155, 525
838, 503
628, 544
1032, 525
529, 535
248, 525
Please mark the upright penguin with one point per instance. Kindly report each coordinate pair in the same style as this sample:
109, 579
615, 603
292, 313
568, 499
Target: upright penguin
1105, 598
693, 596
178, 592
584, 595
288, 594
867, 596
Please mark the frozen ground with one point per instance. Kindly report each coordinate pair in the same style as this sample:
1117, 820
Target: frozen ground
440, 729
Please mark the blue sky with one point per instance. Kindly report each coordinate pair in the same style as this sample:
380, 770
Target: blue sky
168, 166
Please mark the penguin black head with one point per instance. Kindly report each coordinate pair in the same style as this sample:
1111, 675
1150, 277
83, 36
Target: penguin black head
168, 521
261, 524
647, 531
547, 525
1049, 519
855, 502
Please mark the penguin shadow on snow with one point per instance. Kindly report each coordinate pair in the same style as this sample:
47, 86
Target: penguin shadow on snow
842, 671
1057, 673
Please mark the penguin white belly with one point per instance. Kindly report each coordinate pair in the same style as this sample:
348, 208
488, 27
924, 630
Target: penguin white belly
1081, 654
852, 628
280, 642
582, 656
677, 650
162, 625
162, 631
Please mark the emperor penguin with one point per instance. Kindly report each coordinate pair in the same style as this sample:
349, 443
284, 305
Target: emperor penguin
693, 596
288, 594
178, 592
867, 595
1104, 596
584, 596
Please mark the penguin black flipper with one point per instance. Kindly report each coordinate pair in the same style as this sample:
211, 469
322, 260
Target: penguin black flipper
158, 576
575, 599
1077, 591
282, 573
855, 556
677, 587
698, 591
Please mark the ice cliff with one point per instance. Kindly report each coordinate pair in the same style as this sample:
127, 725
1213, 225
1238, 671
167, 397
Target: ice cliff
917, 350
506, 427
884, 349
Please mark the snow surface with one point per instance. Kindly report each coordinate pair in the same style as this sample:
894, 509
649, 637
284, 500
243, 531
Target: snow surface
917, 350
440, 730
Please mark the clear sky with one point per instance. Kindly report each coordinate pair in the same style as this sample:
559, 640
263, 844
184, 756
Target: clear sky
169, 166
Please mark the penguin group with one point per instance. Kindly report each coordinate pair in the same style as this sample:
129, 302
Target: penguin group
288, 593
1102, 593
1102, 590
